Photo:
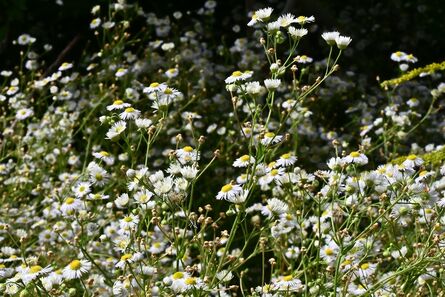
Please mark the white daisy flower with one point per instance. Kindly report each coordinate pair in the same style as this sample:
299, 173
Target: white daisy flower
296, 33
356, 158
187, 154
342, 41
238, 76
31, 273
116, 129
95, 23
272, 84
105, 156
260, 15
286, 160
76, 269
229, 192
129, 222
81, 189
271, 138
121, 72
23, 113
70, 205
303, 59
412, 161
398, 56
25, 39
286, 19
130, 113
304, 20
330, 37
244, 161
155, 87
172, 72
65, 66
118, 104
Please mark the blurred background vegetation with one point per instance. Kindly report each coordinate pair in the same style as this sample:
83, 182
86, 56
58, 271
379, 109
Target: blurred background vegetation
377, 27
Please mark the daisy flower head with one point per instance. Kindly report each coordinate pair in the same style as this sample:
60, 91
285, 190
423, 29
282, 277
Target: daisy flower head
95, 23
274, 207
238, 76
271, 138
330, 37
412, 161
187, 154
76, 269
121, 72
260, 15
143, 123
130, 113
303, 59
272, 83
129, 222
82, 189
31, 273
105, 156
286, 20
25, 39
296, 33
172, 72
356, 158
23, 113
229, 192
287, 159
244, 161
65, 66
289, 283
118, 104
342, 41
116, 129
253, 88
70, 205
305, 20
127, 259
398, 56
154, 87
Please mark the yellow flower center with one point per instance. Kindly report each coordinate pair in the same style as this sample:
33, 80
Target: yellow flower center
126, 257
287, 278
364, 266
187, 149
190, 281
178, 275
329, 251
226, 188
245, 158
69, 200
118, 102
237, 73
75, 265
129, 109
128, 219
286, 156
269, 134
35, 269
154, 85
411, 157
2, 266
274, 172
168, 91
354, 154
104, 154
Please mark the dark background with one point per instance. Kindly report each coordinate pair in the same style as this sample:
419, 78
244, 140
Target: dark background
377, 27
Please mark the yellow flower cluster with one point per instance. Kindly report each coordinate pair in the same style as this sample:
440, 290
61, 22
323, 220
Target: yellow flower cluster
413, 74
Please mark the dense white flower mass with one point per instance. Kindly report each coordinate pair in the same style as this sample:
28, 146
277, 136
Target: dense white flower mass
168, 158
